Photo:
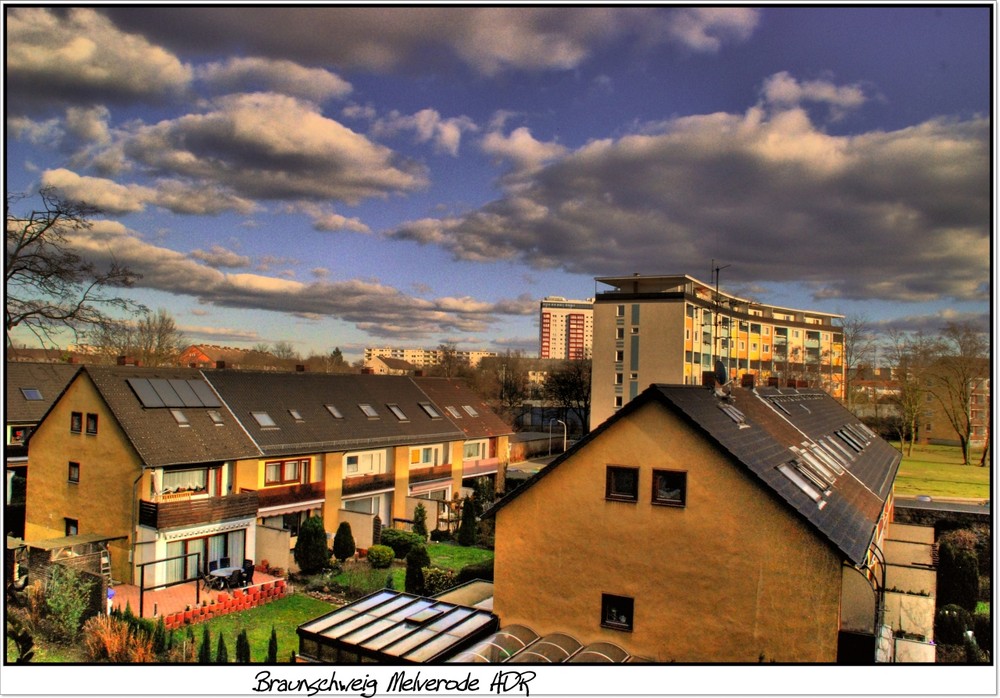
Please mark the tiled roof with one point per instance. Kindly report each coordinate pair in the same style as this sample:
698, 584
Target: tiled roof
454, 395
48, 379
316, 429
771, 428
156, 434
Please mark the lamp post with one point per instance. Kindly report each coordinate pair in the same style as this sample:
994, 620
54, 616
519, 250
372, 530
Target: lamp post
564, 433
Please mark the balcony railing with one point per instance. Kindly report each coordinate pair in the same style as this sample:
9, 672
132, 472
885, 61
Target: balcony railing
482, 466
199, 510
289, 494
438, 472
368, 483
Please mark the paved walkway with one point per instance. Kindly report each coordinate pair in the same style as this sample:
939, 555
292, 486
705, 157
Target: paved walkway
175, 598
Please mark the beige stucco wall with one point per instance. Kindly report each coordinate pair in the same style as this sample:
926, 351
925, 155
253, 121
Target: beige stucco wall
728, 578
102, 501
912, 614
911, 580
903, 553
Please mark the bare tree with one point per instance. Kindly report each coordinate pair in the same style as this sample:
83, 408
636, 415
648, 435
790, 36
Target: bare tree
912, 356
450, 364
285, 351
506, 383
153, 339
961, 367
569, 388
50, 288
859, 346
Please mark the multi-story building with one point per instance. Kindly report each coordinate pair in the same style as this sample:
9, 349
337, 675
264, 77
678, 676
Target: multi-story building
674, 329
174, 467
422, 358
565, 328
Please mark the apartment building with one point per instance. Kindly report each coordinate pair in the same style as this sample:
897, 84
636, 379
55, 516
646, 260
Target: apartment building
422, 358
565, 328
674, 329
177, 467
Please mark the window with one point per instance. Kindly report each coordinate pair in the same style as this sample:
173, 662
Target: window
426, 456
470, 410
620, 311
18, 435
453, 412
368, 410
215, 416
669, 487
396, 410
195, 481
72, 527
618, 378
618, 400
76, 422
622, 484
619, 355
31, 393
620, 333
181, 418
364, 463
430, 410
296, 415
74, 472
474, 450
284, 472
617, 612
264, 420
91, 423
332, 409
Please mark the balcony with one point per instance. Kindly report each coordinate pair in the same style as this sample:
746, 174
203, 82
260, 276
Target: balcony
438, 472
368, 483
482, 466
197, 510
289, 494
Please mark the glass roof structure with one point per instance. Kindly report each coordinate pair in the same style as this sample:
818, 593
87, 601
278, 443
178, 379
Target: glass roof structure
517, 644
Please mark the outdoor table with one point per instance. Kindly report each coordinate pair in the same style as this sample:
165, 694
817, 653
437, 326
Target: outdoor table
221, 576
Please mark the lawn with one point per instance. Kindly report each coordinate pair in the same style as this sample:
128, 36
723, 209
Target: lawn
449, 556
937, 471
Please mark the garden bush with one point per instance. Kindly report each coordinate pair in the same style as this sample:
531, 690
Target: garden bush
380, 557
66, 598
343, 542
983, 628
111, 639
400, 541
958, 576
311, 553
416, 560
440, 534
477, 570
467, 527
420, 521
437, 580
950, 625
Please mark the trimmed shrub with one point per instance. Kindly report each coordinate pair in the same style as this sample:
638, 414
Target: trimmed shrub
983, 628
311, 553
950, 625
380, 557
437, 580
958, 576
242, 648
222, 652
205, 648
467, 527
400, 541
440, 534
416, 560
477, 570
272, 647
343, 542
420, 521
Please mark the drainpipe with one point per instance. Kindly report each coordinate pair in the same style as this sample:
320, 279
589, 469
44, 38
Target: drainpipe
135, 525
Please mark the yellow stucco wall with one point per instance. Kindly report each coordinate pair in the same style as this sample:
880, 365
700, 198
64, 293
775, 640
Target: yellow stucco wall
102, 500
728, 578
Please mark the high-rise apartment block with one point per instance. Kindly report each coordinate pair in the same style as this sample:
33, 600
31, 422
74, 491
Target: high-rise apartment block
565, 328
422, 358
673, 329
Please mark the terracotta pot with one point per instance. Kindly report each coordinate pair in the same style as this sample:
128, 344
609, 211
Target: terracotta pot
188, 615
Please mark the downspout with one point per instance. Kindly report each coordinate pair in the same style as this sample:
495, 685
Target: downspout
135, 526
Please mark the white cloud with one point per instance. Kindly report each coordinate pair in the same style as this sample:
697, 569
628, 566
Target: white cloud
106, 195
706, 29
781, 90
428, 126
521, 148
270, 75
219, 256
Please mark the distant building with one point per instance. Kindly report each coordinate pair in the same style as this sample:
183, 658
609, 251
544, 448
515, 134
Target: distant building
422, 358
565, 328
385, 366
673, 329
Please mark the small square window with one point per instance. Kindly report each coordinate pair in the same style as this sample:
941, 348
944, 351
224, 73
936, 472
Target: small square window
622, 484
396, 410
264, 420
296, 415
76, 422
669, 487
72, 527
215, 416
617, 612
430, 410
332, 409
31, 393
91, 423
369, 411
74, 472
18, 435
180, 418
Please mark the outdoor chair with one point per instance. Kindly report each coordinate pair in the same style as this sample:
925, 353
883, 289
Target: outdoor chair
210, 580
248, 568
235, 580
224, 562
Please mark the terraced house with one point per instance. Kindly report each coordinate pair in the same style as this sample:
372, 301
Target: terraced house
180, 467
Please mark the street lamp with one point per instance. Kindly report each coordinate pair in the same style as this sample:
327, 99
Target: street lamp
564, 433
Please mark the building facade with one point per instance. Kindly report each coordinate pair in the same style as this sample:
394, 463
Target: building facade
673, 329
565, 328
422, 358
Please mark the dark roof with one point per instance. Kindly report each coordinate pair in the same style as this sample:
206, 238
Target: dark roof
395, 364
316, 429
155, 433
48, 379
773, 427
454, 396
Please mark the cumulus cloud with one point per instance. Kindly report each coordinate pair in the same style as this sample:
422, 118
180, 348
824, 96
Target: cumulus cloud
218, 257
781, 90
271, 146
521, 148
427, 126
901, 215
269, 75
80, 55
108, 196
487, 39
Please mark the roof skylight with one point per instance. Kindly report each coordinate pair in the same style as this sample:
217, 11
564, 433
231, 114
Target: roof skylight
31, 393
264, 420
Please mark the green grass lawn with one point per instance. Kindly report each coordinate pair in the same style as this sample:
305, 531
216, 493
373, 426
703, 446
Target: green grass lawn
938, 471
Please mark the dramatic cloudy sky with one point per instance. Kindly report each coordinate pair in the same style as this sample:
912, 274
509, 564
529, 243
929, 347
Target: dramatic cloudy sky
364, 176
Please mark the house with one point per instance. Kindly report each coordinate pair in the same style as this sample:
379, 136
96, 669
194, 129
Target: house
698, 525
388, 366
177, 467
31, 390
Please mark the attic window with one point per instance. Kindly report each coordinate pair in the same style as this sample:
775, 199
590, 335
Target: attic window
215, 416
181, 418
396, 410
849, 440
332, 409
368, 410
735, 415
430, 410
453, 412
793, 474
470, 410
31, 393
296, 415
264, 420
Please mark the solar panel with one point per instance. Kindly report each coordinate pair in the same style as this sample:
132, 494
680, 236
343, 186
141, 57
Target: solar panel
205, 394
162, 388
174, 392
144, 391
185, 393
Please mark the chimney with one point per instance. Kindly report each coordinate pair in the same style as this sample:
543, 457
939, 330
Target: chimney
773, 382
791, 383
368, 371
419, 373
127, 361
300, 368
220, 364
747, 381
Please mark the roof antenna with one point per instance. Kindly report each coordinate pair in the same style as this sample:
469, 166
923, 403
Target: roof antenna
722, 386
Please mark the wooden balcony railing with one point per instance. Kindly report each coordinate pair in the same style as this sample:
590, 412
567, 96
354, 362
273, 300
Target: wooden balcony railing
368, 483
289, 494
438, 472
173, 514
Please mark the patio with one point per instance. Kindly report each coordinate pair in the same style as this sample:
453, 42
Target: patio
175, 599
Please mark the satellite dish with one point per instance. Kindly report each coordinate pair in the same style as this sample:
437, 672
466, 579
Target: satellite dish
720, 372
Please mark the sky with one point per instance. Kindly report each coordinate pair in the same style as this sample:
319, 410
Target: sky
412, 176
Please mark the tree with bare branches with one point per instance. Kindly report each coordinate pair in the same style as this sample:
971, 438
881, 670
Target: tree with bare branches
49, 287
912, 356
960, 369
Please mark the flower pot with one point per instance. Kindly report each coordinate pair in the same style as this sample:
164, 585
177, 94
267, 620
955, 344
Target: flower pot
188, 615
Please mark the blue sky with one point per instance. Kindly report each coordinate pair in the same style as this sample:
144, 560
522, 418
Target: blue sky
335, 177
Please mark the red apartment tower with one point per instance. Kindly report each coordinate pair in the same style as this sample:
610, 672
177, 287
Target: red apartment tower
565, 328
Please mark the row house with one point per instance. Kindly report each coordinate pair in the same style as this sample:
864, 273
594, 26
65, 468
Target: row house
179, 467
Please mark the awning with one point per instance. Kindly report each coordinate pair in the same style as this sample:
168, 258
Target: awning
290, 508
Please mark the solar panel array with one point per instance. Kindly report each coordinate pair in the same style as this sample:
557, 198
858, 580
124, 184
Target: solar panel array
173, 392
